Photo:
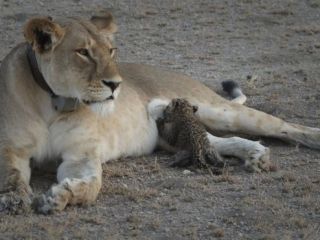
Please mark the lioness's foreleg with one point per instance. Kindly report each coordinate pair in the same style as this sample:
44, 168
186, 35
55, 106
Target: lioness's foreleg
79, 182
15, 192
255, 156
231, 117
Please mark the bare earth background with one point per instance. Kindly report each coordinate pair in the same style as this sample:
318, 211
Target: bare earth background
272, 48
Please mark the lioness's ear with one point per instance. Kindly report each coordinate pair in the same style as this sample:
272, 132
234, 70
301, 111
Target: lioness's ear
195, 109
42, 33
105, 23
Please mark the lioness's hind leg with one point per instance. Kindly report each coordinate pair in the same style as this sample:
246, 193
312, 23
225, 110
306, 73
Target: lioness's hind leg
15, 192
255, 156
79, 182
231, 117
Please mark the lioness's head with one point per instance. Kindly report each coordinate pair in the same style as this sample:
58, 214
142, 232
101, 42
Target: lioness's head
76, 57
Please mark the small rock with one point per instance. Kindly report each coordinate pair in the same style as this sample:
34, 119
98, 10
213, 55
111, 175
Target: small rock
186, 172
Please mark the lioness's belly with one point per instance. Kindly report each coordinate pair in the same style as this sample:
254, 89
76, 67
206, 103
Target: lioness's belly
128, 136
106, 139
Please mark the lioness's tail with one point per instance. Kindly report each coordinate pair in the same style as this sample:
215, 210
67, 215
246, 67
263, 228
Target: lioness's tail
233, 90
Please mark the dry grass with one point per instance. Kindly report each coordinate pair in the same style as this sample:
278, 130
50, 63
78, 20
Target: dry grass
52, 231
134, 219
308, 30
155, 224
314, 3
298, 221
217, 232
92, 220
225, 177
117, 170
133, 194
191, 232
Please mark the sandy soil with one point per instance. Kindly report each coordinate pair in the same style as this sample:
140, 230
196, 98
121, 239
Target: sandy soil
272, 48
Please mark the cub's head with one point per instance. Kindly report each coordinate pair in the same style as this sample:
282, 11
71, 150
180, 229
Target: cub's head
177, 108
76, 58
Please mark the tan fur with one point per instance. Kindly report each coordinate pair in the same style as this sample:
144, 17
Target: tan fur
45, 25
102, 130
105, 22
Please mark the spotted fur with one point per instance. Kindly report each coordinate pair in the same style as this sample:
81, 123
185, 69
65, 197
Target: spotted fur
180, 128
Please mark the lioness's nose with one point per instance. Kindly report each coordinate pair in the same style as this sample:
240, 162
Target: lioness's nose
112, 85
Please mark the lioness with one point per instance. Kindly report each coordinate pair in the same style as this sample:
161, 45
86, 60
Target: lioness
62, 96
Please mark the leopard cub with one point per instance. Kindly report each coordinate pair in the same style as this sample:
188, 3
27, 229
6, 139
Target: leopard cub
180, 129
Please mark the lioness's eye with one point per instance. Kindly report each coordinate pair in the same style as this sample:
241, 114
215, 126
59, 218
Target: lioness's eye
83, 52
112, 51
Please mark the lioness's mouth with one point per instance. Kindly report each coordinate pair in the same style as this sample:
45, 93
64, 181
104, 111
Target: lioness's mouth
89, 102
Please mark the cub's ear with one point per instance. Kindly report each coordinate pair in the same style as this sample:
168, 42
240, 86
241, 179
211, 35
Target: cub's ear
175, 102
105, 23
42, 33
195, 109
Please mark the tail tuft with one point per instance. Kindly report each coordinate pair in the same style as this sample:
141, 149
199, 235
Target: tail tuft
233, 90
229, 86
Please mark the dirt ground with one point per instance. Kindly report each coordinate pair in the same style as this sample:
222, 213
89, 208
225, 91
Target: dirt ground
272, 48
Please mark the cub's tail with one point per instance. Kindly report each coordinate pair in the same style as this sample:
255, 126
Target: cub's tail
233, 90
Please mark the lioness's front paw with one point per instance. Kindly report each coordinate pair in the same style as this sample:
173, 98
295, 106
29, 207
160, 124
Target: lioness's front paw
47, 204
15, 202
43, 204
258, 160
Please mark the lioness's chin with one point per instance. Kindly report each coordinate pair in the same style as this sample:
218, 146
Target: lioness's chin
102, 108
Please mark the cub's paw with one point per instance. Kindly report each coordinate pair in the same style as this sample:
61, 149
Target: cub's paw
14, 202
214, 159
181, 159
54, 200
